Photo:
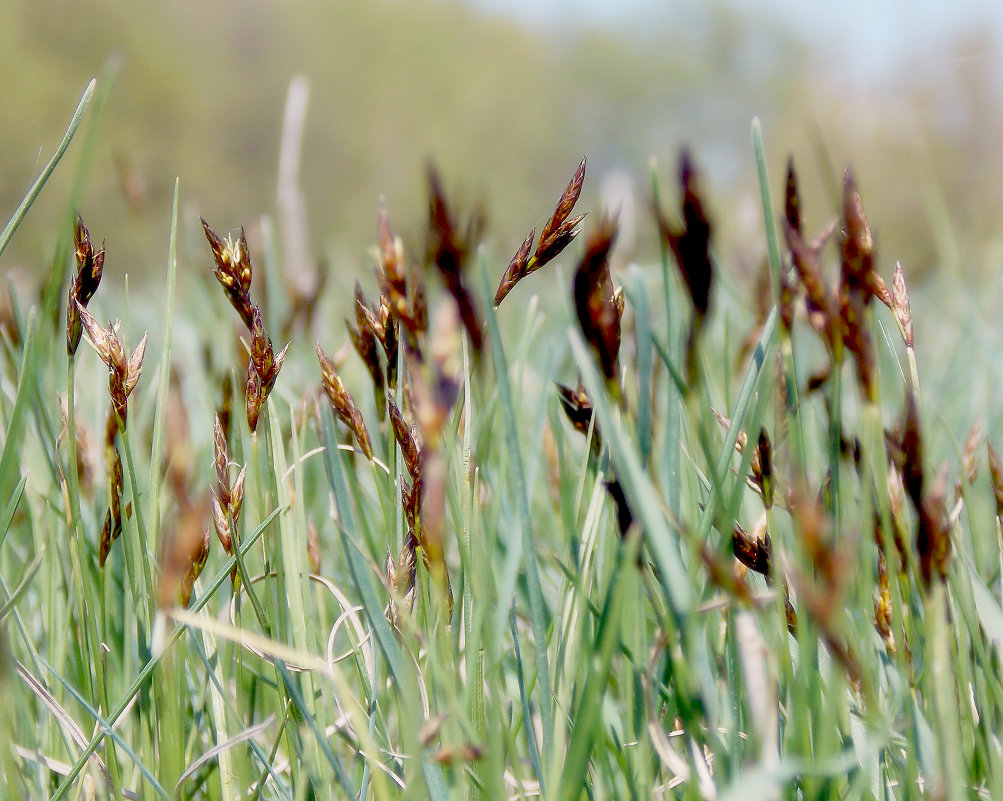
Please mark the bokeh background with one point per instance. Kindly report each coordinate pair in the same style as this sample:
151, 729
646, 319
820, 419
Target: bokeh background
505, 96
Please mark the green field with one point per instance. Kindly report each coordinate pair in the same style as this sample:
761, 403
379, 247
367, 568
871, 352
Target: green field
618, 531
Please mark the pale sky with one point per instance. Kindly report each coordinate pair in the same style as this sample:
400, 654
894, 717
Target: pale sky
879, 33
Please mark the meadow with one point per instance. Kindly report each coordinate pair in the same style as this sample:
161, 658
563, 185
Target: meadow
542, 525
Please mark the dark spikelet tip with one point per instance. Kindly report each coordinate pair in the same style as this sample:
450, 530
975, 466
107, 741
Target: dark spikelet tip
686, 169
214, 240
792, 200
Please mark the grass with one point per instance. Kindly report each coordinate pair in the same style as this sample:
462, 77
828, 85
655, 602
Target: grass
419, 570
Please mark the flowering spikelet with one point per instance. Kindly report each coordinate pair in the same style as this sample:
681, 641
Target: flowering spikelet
754, 552
343, 404
858, 284
691, 243
407, 438
90, 265
577, 407
365, 342
557, 234
232, 270
598, 312
227, 498
262, 369
897, 299
123, 373
449, 251
792, 219
382, 325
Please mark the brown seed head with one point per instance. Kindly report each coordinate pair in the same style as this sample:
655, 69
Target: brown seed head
407, 439
577, 406
691, 243
253, 397
792, 200
221, 524
449, 250
232, 270
516, 269
365, 342
553, 229
597, 310
342, 404
754, 553
90, 265
856, 246
221, 460
820, 299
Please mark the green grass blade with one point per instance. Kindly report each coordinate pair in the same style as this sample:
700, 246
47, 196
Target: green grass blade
8, 513
587, 718
108, 729
641, 495
361, 573
157, 455
10, 459
537, 606
36, 187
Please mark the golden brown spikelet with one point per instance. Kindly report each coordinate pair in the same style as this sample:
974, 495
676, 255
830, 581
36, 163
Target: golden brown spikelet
342, 404
90, 265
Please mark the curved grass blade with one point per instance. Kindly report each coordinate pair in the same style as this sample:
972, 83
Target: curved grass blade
36, 187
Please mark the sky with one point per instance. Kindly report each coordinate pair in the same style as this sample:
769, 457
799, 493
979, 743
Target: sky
880, 34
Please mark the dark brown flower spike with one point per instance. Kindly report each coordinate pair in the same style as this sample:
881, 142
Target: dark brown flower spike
792, 199
557, 234
366, 345
407, 438
823, 308
563, 211
112, 528
342, 403
448, 251
90, 265
598, 311
753, 552
262, 369
232, 270
856, 245
516, 269
577, 407
691, 243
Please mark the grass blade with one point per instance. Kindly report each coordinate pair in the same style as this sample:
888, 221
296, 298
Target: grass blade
36, 187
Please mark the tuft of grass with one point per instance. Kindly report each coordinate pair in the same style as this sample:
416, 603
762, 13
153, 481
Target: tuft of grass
597, 552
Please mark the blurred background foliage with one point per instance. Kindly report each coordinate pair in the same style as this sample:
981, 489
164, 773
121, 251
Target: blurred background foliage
505, 108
